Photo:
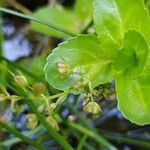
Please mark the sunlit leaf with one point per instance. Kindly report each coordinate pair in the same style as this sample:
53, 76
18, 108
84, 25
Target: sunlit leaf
114, 17
73, 20
85, 56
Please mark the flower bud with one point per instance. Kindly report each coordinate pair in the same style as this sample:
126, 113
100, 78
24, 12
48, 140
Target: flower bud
63, 68
32, 121
38, 88
85, 98
93, 108
52, 122
80, 84
20, 81
51, 107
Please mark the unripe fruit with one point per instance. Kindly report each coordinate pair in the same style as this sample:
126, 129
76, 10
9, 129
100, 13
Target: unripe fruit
93, 108
52, 122
20, 81
38, 88
32, 121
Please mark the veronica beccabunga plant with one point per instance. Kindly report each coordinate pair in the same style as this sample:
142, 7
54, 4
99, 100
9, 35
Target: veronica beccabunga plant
119, 51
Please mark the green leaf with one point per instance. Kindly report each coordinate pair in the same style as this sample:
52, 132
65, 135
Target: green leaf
71, 20
132, 80
113, 18
133, 98
58, 16
83, 9
85, 57
132, 57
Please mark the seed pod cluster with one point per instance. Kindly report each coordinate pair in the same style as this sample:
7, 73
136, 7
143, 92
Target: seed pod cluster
63, 68
93, 108
32, 121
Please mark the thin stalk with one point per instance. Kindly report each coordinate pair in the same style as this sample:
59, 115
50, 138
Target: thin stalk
21, 136
9, 142
18, 6
100, 139
51, 131
58, 95
15, 13
16, 66
125, 139
82, 142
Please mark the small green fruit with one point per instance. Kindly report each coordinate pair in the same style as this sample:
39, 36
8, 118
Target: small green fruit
38, 88
52, 122
32, 121
20, 81
93, 108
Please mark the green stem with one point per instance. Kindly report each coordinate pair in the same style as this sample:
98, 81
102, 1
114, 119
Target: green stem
58, 95
101, 140
82, 142
16, 66
8, 11
123, 139
52, 132
21, 136
8, 143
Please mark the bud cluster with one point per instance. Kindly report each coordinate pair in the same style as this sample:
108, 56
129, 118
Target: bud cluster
63, 68
93, 108
32, 121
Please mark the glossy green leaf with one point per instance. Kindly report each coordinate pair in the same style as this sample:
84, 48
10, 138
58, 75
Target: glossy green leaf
132, 57
133, 98
132, 79
113, 18
83, 54
71, 20
83, 9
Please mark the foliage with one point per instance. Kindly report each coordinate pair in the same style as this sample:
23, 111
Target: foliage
85, 64
120, 52
74, 20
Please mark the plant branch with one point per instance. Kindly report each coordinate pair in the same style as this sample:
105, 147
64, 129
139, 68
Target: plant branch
101, 140
15, 13
21, 136
15, 140
82, 142
126, 139
18, 6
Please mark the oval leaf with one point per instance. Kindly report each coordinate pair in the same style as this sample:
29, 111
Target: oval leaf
133, 98
85, 58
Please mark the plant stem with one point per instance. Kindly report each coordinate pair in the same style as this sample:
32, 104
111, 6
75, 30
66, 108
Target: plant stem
18, 6
101, 140
8, 143
81, 144
52, 132
124, 139
21, 136
15, 13
16, 66
58, 95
